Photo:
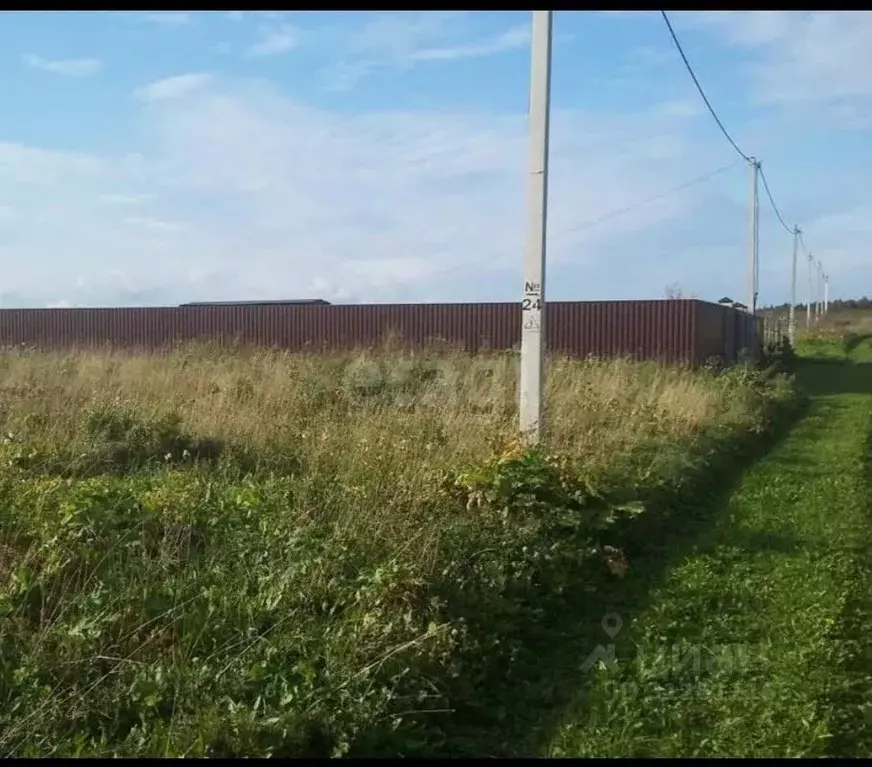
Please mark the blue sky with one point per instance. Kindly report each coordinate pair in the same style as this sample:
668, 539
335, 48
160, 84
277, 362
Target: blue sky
150, 158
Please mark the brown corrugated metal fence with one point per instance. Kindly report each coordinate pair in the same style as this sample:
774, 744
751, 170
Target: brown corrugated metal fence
671, 331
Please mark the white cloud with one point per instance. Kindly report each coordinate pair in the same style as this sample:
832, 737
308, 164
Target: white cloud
403, 40
24, 167
399, 35
154, 223
681, 108
275, 41
748, 28
65, 67
113, 198
230, 190
839, 235
392, 272
801, 58
258, 196
169, 18
518, 37
172, 87
628, 15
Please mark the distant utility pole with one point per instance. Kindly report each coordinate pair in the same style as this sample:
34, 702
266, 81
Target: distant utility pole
792, 322
533, 302
820, 290
810, 293
755, 235
826, 294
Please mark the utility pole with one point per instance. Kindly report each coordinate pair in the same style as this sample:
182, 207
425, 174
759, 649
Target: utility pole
755, 235
810, 293
791, 326
820, 290
826, 294
533, 302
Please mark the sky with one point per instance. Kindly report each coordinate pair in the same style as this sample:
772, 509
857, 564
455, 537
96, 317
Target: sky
152, 158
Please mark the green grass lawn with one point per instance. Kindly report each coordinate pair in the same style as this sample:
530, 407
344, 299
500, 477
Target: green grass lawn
754, 644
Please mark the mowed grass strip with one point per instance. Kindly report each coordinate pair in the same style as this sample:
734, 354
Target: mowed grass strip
743, 652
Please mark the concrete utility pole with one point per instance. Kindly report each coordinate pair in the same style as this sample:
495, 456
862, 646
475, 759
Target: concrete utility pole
791, 326
820, 290
826, 294
755, 236
533, 302
810, 293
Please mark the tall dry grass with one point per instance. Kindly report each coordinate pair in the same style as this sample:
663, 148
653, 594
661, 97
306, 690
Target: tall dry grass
394, 410
333, 576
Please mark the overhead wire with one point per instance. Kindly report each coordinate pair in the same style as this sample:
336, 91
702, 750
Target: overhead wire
696, 82
808, 254
700, 179
772, 202
720, 124
749, 159
654, 198
609, 215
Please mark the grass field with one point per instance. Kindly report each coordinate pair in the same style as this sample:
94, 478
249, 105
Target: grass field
265, 554
837, 325
757, 641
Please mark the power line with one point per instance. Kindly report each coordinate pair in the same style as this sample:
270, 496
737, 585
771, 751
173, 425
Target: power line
721, 125
714, 114
649, 200
603, 218
772, 201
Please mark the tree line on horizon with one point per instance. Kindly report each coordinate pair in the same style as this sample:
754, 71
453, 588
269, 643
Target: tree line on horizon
838, 304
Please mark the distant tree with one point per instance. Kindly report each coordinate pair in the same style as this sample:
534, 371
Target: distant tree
835, 305
675, 292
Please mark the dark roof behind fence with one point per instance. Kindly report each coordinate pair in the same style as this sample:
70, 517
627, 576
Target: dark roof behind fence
289, 302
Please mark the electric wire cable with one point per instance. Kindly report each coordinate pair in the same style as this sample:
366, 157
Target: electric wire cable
649, 200
711, 109
717, 119
772, 202
605, 217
